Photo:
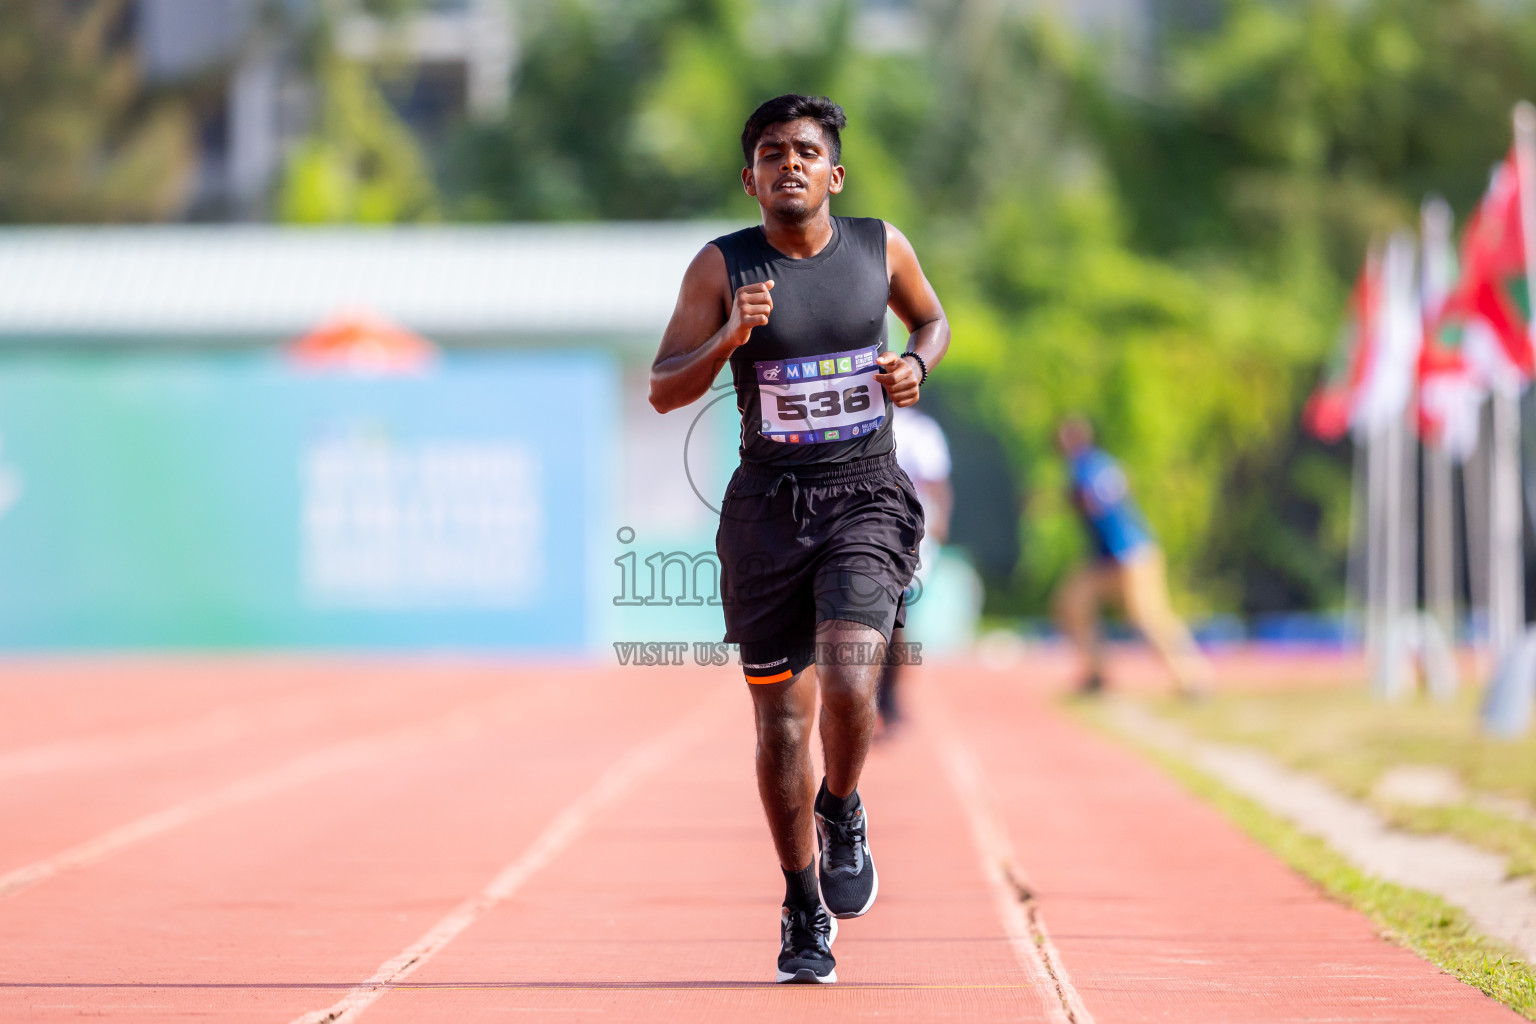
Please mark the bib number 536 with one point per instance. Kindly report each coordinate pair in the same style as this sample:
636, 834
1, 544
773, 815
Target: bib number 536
823, 403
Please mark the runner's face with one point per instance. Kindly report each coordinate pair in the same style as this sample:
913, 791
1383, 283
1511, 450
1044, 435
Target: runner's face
792, 173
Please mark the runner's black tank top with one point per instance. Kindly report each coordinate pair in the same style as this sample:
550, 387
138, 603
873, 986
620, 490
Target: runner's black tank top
833, 302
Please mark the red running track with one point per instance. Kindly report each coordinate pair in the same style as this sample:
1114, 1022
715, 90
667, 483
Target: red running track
280, 840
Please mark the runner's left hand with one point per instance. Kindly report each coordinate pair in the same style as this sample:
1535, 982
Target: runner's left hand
899, 379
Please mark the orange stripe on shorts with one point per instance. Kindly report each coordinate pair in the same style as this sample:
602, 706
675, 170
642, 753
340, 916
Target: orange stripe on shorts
761, 680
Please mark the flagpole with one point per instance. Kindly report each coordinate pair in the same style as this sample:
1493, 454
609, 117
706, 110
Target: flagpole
1440, 540
1356, 599
1401, 328
1476, 487
1392, 558
1377, 463
1375, 466
1439, 504
1505, 553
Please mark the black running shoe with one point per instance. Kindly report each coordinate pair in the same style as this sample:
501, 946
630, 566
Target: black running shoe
805, 951
849, 882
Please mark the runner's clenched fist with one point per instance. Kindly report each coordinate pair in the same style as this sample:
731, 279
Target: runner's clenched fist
750, 309
899, 379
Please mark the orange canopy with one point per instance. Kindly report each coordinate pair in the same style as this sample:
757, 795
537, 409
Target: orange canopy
362, 342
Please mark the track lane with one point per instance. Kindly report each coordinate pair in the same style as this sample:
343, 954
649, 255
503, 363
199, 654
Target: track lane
664, 906
637, 764
250, 912
89, 697
666, 909
1014, 893
66, 789
1161, 909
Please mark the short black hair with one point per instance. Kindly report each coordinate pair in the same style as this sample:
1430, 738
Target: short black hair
793, 107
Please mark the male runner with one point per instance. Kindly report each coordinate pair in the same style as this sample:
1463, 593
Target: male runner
1127, 570
819, 528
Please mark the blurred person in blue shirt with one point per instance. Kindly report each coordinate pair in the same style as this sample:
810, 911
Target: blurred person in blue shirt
1127, 569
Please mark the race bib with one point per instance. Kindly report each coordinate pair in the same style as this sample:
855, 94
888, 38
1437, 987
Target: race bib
832, 397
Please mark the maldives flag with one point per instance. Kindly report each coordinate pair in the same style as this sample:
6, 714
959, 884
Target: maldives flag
1492, 300
1451, 388
1451, 391
1331, 408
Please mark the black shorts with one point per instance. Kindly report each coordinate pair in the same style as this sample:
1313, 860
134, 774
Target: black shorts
810, 544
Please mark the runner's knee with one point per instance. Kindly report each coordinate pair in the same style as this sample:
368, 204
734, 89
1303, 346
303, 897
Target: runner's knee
849, 687
849, 659
784, 719
783, 734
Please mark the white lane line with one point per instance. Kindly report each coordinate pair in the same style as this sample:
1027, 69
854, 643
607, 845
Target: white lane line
467, 720
1013, 894
559, 834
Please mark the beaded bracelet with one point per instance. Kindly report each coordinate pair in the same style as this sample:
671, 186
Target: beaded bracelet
920, 362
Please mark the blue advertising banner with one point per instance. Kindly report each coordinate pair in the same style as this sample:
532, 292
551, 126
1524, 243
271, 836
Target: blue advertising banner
217, 502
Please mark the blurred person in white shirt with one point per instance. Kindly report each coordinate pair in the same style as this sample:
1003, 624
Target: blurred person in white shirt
923, 455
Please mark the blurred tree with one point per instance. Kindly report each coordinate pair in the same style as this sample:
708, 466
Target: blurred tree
80, 138
1188, 365
561, 152
359, 163
1281, 143
1319, 122
634, 111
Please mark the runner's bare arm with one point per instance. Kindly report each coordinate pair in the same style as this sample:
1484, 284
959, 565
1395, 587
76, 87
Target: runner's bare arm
912, 300
707, 325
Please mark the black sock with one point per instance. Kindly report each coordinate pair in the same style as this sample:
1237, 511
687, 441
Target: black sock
800, 888
836, 807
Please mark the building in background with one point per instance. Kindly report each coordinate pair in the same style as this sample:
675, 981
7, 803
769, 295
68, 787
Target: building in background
246, 63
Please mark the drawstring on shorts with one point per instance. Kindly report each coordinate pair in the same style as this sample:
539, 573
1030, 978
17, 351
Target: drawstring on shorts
794, 493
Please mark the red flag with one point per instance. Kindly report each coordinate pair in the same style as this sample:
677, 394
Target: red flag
1331, 408
1493, 289
1451, 391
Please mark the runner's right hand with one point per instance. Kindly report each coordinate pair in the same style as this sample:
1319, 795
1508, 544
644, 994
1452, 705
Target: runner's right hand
750, 309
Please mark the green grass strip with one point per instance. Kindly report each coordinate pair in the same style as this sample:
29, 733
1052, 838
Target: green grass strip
1426, 924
